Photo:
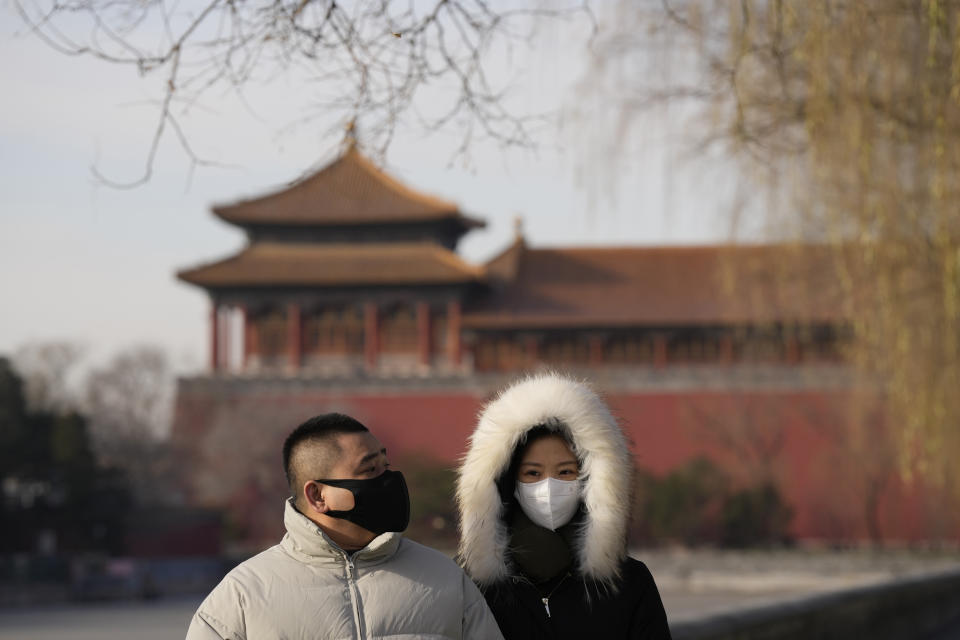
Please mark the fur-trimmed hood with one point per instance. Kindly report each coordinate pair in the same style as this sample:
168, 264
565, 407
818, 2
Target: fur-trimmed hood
605, 471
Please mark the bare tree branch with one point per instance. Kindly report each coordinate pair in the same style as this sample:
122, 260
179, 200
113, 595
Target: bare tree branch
845, 114
379, 61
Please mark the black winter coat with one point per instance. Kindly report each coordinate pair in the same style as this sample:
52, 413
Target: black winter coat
635, 611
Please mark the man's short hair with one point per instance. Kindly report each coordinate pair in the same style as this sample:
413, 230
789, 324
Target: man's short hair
318, 430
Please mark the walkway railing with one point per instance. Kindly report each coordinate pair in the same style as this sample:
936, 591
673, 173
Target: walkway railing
905, 609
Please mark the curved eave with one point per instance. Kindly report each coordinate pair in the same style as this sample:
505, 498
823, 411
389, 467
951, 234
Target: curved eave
351, 190
492, 321
278, 265
228, 213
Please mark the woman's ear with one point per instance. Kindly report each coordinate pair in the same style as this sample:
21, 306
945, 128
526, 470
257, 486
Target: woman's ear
313, 495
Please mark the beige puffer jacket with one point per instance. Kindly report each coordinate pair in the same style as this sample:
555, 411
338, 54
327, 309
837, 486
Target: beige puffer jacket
307, 587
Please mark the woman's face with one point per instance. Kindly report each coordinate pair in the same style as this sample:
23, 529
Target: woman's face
548, 457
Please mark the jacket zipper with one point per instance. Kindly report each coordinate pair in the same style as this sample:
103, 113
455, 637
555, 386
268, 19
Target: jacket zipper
546, 599
354, 595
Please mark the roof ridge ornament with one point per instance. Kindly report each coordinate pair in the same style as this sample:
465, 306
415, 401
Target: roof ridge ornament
350, 135
518, 228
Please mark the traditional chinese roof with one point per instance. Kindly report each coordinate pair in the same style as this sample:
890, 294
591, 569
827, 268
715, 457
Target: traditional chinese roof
702, 285
349, 191
286, 264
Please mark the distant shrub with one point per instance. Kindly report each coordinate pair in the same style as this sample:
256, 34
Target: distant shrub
755, 516
695, 505
433, 510
683, 506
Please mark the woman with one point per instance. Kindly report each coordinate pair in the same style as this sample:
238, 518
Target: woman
544, 495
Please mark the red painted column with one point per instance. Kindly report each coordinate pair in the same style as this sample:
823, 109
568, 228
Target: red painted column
531, 348
254, 335
214, 338
371, 329
423, 333
726, 348
294, 354
225, 317
453, 333
596, 350
660, 350
792, 348
247, 337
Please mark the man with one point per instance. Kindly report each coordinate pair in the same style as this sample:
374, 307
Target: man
343, 570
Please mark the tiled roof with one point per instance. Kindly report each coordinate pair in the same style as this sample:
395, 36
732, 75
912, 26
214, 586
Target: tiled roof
351, 190
580, 287
282, 264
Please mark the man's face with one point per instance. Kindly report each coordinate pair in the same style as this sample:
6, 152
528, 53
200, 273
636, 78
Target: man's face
362, 457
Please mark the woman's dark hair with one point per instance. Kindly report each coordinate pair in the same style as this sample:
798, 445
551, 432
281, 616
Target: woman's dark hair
507, 481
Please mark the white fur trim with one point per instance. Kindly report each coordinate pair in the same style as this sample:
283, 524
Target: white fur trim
607, 468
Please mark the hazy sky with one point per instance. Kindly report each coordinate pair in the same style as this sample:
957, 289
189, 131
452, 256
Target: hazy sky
84, 262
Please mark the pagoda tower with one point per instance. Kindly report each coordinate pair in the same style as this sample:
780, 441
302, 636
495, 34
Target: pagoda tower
346, 273
350, 297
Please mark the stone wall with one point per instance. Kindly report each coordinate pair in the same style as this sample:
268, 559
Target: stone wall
818, 444
906, 609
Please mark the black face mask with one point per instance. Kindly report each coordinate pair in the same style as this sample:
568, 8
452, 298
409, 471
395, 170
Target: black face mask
379, 504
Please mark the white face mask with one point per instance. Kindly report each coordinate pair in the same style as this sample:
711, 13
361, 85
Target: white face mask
549, 503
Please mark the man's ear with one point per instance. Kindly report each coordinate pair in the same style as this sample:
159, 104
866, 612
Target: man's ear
313, 496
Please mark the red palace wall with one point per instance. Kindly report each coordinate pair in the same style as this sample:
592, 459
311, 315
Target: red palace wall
818, 447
